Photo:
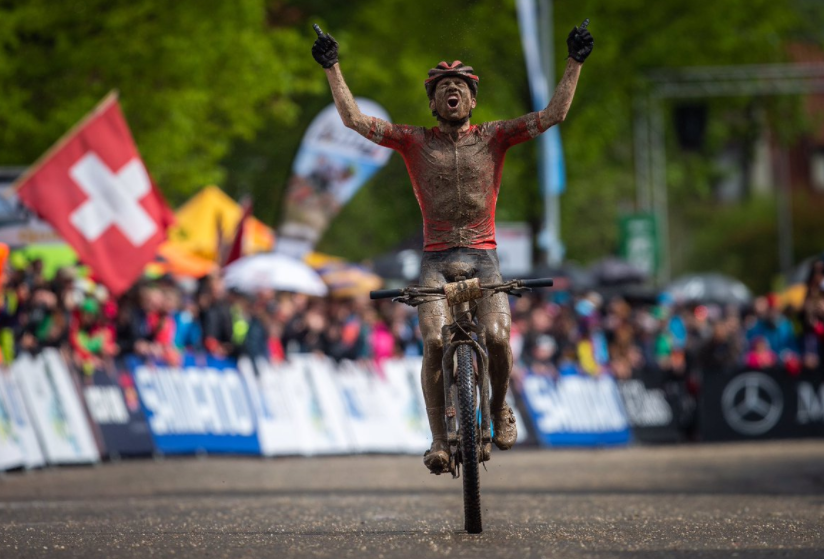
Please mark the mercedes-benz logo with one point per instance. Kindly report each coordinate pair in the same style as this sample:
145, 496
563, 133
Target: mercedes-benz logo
752, 403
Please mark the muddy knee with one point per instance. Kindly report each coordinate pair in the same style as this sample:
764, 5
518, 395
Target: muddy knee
433, 347
497, 333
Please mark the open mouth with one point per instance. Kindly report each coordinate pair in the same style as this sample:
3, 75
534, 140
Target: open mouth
452, 101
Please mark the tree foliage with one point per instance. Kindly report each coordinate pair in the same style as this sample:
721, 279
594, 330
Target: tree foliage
193, 77
632, 37
223, 91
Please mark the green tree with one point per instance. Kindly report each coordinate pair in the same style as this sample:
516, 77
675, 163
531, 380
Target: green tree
387, 46
193, 77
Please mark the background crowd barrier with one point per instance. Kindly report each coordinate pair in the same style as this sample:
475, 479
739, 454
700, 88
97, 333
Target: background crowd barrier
575, 410
56, 411
754, 405
52, 412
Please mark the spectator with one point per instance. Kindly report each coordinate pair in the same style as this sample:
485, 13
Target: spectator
761, 355
91, 339
216, 317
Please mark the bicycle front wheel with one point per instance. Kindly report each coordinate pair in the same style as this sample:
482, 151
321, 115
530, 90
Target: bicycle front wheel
469, 437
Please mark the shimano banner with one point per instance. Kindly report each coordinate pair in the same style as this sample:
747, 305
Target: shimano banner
770, 404
575, 410
114, 406
201, 406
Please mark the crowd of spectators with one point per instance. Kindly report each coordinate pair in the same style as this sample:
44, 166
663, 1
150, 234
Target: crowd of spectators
553, 333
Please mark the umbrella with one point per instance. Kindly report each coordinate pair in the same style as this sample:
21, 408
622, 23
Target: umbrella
569, 276
343, 278
273, 271
709, 288
801, 273
614, 271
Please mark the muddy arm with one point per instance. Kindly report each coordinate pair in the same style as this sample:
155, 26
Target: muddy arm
558, 107
348, 109
579, 44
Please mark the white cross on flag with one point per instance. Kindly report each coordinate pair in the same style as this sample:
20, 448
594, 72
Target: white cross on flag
93, 188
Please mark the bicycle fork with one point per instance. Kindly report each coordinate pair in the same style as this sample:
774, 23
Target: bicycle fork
465, 331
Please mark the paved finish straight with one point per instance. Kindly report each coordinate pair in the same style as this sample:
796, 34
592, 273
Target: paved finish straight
744, 500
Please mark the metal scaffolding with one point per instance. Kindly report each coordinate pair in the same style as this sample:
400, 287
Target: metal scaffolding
698, 83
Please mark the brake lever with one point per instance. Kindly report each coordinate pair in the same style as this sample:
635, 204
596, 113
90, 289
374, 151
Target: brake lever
519, 291
416, 299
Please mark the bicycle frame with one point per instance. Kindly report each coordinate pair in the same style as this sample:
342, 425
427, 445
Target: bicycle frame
464, 330
460, 332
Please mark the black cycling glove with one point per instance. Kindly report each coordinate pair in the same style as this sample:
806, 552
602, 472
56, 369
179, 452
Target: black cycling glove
579, 42
325, 49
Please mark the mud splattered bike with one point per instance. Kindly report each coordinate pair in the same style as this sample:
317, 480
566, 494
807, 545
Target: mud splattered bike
465, 376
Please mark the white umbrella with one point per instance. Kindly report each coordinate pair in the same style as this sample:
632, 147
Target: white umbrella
273, 271
709, 288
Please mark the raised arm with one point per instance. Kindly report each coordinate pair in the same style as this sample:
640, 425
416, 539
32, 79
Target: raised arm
579, 43
325, 52
558, 107
531, 125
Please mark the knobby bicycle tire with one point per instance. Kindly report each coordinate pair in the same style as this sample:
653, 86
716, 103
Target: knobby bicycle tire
469, 440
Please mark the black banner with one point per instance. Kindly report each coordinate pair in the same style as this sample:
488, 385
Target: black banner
114, 406
655, 408
754, 405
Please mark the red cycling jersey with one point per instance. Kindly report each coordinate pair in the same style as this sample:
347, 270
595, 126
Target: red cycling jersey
456, 181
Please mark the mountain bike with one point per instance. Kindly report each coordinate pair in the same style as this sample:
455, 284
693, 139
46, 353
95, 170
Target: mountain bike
465, 376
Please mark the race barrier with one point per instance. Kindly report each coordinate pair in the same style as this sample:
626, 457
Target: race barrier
656, 409
575, 410
200, 406
52, 412
768, 404
57, 413
114, 408
18, 441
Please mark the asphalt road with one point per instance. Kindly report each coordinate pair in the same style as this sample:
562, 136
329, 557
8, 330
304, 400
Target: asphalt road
714, 501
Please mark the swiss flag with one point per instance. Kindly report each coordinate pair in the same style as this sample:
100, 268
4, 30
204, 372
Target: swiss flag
93, 188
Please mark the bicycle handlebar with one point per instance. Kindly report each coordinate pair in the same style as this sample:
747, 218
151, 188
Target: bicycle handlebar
541, 282
385, 293
515, 284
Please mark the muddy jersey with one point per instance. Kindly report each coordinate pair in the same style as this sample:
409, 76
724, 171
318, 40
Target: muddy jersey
456, 181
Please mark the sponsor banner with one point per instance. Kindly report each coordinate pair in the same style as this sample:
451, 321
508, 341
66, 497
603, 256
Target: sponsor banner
11, 449
55, 407
575, 410
113, 405
752, 405
278, 398
201, 406
403, 377
332, 163
21, 425
289, 415
328, 410
653, 412
374, 414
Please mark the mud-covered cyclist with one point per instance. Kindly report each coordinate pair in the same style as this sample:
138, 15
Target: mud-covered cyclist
455, 169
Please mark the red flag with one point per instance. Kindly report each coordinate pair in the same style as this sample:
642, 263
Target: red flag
93, 188
236, 250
